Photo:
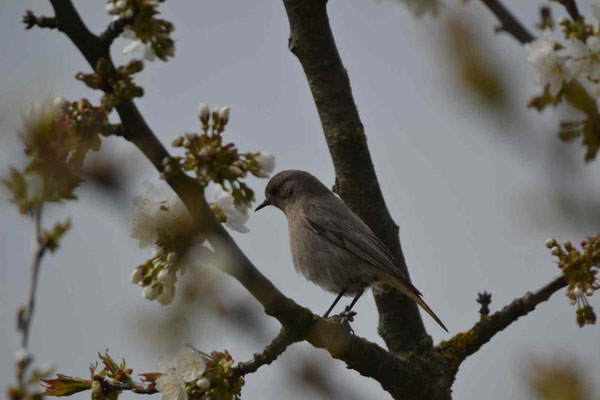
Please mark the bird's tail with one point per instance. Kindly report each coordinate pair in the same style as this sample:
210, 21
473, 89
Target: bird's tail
412, 292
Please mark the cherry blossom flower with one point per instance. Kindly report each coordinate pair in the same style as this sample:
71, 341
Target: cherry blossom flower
585, 57
547, 67
266, 163
236, 219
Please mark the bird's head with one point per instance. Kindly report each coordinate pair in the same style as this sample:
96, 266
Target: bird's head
287, 188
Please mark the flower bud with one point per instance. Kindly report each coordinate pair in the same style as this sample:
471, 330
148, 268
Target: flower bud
21, 356
157, 251
166, 161
203, 383
578, 292
555, 251
177, 142
550, 243
191, 136
203, 112
128, 13
187, 143
168, 169
151, 292
572, 301
96, 390
589, 290
203, 152
568, 245
120, 5
136, 276
171, 257
167, 295
164, 276
224, 114
236, 171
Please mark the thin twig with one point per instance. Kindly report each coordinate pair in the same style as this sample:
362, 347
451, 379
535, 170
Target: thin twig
30, 20
465, 344
109, 386
281, 342
508, 22
114, 30
572, 9
25, 313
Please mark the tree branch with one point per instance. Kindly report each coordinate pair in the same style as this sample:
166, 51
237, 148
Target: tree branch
109, 386
508, 23
114, 30
311, 40
25, 313
30, 20
280, 344
367, 358
465, 344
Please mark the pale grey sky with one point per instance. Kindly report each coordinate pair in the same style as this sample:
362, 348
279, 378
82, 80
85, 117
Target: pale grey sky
474, 192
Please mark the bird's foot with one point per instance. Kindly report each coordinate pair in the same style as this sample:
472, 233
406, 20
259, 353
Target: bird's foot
347, 315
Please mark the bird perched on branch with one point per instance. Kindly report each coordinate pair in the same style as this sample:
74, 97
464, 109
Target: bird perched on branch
331, 246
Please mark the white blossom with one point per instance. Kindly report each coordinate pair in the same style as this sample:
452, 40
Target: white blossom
578, 292
136, 276
585, 57
266, 163
167, 295
151, 292
547, 67
555, 251
21, 355
138, 45
120, 5
157, 209
203, 112
164, 276
419, 8
128, 13
203, 383
236, 219
224, 114
189, 364
110, 7
171, 385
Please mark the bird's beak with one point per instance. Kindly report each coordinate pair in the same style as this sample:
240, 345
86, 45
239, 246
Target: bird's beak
262, 205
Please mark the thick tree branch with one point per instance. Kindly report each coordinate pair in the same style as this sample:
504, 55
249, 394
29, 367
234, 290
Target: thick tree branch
311, 40
457, 349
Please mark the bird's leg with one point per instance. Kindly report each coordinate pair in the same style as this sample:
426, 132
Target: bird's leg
348, 313
343, 292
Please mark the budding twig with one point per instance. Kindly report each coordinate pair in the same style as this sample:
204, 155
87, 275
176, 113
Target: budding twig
25, 313
30, 20
281, 342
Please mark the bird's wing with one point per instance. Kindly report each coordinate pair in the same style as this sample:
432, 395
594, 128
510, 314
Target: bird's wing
349, 232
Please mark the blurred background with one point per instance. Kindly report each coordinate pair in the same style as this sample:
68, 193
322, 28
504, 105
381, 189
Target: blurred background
475, 180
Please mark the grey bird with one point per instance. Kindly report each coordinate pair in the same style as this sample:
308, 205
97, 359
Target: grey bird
331, 246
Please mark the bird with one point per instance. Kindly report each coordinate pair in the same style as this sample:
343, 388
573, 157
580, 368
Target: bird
331, 246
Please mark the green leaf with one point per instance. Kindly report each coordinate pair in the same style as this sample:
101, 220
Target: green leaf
65, 385
52, 237
19, 188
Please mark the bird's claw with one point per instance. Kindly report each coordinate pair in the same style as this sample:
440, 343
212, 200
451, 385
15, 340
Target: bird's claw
347, 315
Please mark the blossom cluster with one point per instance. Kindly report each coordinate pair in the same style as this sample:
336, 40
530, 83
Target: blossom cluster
212, 160
580, 269
117, 84
193, 375
29, 387
151, 34
161, 219
553, 65
57, 137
